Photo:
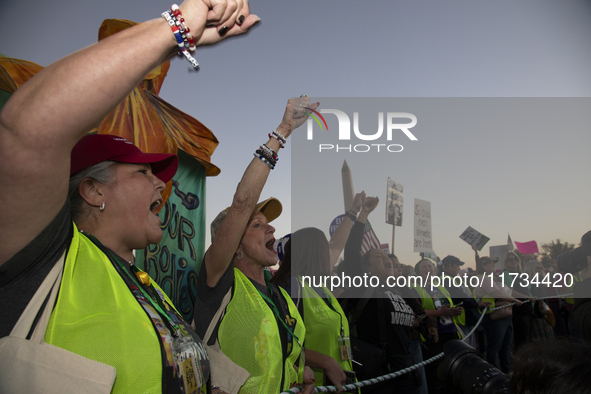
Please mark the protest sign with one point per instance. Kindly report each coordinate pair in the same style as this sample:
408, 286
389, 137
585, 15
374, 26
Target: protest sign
394, 202
498, 252
474, 238
423, 239
527, 247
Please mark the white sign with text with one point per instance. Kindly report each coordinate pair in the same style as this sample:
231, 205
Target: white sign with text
423, 239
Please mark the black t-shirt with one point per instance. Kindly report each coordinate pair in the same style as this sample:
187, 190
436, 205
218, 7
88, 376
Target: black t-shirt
21, 276
398, 316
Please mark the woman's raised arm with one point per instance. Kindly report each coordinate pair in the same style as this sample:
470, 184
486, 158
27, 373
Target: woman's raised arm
45, 118
228, 236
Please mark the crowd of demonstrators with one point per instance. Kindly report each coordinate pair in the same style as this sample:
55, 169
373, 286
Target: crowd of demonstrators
73, 209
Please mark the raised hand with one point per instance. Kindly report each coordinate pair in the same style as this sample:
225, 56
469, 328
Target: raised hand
370, 203
295, 114
211, 21
358, 201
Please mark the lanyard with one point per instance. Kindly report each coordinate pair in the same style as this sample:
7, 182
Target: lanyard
276, 312
155, 296
328, 298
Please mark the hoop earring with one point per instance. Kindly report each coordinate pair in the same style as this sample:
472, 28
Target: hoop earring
102, 207
241, 255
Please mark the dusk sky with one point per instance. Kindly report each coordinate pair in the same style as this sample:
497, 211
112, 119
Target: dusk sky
481, 169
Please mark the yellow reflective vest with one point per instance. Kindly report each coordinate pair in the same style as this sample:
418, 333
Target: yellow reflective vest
249, 335
429, 305
323, 328
98, 317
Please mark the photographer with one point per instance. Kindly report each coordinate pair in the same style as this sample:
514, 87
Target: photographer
571, 261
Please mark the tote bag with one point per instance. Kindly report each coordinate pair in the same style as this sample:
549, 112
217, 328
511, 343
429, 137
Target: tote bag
33, 366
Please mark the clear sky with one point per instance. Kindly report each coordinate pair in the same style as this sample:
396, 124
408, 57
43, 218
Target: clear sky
533, 184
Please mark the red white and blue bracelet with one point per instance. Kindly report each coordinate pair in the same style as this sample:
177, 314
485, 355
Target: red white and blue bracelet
182, 34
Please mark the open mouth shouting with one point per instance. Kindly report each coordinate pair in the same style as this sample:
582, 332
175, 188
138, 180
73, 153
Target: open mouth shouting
155, 205
271, 245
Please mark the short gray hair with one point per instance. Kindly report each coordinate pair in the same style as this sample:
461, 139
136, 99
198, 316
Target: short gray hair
102, 172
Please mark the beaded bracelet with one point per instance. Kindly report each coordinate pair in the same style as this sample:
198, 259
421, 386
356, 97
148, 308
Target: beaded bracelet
180, 21
266, 155
185, 45
176, 30
270, 151
265, 161
278, 137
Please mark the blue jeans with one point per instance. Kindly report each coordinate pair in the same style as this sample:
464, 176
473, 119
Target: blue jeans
417, 357
499, 336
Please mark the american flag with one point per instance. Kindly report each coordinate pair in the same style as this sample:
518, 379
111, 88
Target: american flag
370, 239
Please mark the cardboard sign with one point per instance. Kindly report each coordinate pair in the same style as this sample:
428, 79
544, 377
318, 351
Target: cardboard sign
527, 247
474, 238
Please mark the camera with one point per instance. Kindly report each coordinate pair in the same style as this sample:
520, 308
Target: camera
463, 371
576, 260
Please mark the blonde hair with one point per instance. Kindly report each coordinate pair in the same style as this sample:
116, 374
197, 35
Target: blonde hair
530, 267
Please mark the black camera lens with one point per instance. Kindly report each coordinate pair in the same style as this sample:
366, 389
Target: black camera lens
463, 371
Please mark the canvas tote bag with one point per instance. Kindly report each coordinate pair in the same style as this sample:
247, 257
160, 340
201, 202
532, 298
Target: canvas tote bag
226, 375
33, 366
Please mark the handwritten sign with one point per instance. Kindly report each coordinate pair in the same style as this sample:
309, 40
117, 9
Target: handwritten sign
423, 238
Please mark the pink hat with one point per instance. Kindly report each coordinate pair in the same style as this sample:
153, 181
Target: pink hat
95, 148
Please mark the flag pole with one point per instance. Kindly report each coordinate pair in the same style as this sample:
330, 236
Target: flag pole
393, 231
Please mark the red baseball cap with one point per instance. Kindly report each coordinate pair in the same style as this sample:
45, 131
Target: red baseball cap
95, 148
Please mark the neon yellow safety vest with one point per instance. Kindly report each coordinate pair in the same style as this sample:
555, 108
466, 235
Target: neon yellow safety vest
249, 336
98, 317
461, 319
429, 305
323, 327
